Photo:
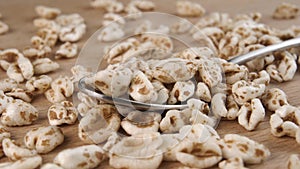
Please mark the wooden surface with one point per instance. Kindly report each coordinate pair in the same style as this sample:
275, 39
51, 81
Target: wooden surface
19, 14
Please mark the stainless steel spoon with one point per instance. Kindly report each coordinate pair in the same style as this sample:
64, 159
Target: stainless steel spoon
153, 107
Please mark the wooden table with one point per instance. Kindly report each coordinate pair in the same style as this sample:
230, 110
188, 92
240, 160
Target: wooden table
19, 14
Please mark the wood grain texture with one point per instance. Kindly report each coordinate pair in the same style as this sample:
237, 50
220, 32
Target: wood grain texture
19, 14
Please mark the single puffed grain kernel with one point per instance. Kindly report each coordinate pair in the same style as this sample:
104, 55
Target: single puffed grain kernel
19, 93
244, 91
44, 65
19, 113
44, 139
181, 91
83, 157
144, 5
41, 51
54, 96
47, 12
284, 68
64, 85
67, 50
49, 37
111, 32
202, 154
72, 33
113, 6
285, 121
173, 121
286, 11
203, 92
133, 125
161, 90
274, 98
251, 114
234, 72
98, 124
46, 23
109, 18
62, 113
261, 77
141, 89
4, 28
79, 72
182, 26
24, 163
252, 152
116, 54
224, 106
14, 151
38, 84
145, 146
113, 81
187, 8
15, 73
210, 72
8, 84
133, 12
25, 66
69, 19
172, 70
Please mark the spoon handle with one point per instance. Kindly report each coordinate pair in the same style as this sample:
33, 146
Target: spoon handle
266, 50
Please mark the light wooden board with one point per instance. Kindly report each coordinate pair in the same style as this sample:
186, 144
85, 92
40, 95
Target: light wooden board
19, 14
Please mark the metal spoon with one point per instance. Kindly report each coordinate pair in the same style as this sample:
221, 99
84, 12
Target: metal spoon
153, 107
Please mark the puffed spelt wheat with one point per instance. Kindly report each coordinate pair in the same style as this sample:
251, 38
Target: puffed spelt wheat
19, 113
133, 125
286, 11
47, 12
67, 50
8, 84
187, 8
19, 93
16, 152
202, 155
44, 65
181, 91
4, 28
141, 89
251, 152
113, 81
44, 139
83, 157
173, 121
111, 32
14, 72
274, 98
285, 121
38, 84
244, 91
62, 113
145, 146
24, 163
173, 69
251, 114
284, 68
98, 124
109, 18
